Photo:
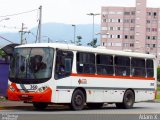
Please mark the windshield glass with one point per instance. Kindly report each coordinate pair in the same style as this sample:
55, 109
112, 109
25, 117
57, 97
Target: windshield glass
31, 65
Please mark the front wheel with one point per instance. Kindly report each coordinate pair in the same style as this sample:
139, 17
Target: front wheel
78, 100
40, 105
128, 100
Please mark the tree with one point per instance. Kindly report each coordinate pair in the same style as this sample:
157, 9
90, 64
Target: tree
93, 43
158, 74
78, 42
2, 53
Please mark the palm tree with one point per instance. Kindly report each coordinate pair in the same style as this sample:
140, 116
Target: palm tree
93, 43
78, 42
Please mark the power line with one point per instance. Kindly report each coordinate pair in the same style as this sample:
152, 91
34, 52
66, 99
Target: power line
19, 13
6, 39
9, 27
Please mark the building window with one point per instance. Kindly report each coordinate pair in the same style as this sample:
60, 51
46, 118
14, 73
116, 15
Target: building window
118, 36
112, 12
148, 29
154, 37
132, 37
148, 21
131, 44
133, 13
148, 37
111, 36
109, 44
154, 14
116, 44
104, 20
132, 20
104, 28
131, 28
126, 20
126, 36
125, 44
154, 45
104, 36
126, 28
154, 29
111, 28
126, 13
149, 13
119, 13
118, 28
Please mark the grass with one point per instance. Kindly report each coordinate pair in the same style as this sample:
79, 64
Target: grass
158, 95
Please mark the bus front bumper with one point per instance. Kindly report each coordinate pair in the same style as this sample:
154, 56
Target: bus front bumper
30, 96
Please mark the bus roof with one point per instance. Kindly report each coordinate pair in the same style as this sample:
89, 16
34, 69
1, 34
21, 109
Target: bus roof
101, 50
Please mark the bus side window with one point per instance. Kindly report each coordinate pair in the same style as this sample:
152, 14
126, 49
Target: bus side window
63, 65
85, 63
122, 66
149, 68
138, 67
104, 64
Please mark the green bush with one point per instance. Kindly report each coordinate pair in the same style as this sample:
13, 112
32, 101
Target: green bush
2, 53
158, 73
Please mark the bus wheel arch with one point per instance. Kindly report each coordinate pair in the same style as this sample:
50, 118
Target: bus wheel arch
78, 99
128, 99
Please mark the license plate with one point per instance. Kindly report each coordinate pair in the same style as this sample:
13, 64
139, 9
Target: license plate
24, 96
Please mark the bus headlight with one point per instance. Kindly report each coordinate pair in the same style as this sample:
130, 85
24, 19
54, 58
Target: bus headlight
42, 89
12, 88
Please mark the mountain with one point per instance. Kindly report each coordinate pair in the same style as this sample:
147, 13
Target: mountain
55, 32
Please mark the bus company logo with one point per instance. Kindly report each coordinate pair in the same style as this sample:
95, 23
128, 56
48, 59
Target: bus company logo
33, 87
82, 81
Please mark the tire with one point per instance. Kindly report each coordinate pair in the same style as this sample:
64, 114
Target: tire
95, 105
128, 100
40, 105
78, 100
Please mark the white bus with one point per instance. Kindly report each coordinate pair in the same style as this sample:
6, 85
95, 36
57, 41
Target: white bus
52, 73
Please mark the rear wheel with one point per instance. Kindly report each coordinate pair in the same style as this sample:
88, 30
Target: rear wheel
78, 100
95, 105
128, 100
40, 105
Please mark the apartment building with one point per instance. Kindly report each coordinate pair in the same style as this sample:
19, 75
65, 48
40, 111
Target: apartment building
134, 29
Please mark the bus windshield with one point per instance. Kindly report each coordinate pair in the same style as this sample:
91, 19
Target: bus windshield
31, 65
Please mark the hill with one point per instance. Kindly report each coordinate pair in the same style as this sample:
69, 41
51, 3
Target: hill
55, 32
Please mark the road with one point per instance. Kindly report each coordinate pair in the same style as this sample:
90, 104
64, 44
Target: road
27, 112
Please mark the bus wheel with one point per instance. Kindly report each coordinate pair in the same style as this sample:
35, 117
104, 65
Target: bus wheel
128, 100
95, 105
40, 105
78, 100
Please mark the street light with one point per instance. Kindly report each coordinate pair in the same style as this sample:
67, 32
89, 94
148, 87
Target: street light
74, 33
93, 14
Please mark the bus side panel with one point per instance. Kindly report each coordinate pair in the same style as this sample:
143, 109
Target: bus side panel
143, 95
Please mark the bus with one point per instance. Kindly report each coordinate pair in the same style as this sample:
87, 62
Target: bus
55, 73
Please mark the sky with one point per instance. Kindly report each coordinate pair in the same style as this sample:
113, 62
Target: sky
57, 11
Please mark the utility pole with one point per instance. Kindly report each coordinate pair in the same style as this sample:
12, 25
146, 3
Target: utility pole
40, 23
74, 34
22, 32
93, 15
